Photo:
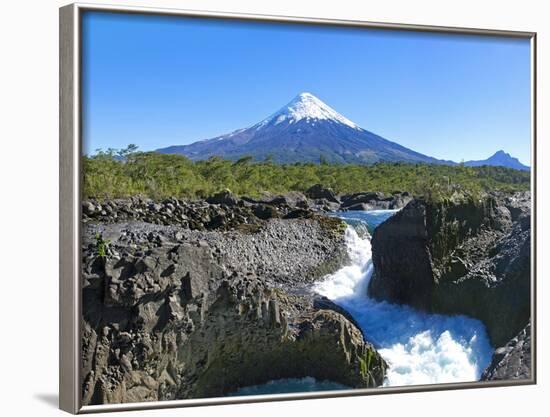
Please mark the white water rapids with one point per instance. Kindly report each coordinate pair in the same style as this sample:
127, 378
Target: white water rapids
420, 348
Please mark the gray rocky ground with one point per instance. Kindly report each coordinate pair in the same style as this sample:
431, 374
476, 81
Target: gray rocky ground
174, 313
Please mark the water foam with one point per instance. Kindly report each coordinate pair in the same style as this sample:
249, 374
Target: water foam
420, 348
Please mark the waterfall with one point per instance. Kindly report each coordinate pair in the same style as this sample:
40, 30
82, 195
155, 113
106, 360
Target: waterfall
420, 348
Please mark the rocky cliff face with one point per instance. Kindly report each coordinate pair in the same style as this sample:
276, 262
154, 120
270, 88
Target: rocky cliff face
466, 256
512, 361
175, 313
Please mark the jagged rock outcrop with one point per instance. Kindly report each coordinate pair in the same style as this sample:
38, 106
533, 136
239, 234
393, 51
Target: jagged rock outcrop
174, 313
463, 256
512, 361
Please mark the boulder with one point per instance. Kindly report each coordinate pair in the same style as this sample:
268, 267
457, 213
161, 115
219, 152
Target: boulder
297, 199
374, 201
292, 199
323, 205
223, 197
88, 208
317, 192
265, 212
361, 198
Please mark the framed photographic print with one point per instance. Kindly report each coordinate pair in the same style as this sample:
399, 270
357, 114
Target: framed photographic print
259, 208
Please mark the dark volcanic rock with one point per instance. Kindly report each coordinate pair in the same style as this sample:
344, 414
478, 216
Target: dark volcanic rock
400, 200
174, 313
265, 212
319, 192
403, 268
357, 198
227, 213
374, 201
512, 361
292, 199
359, 207
223, 197
488, 277
458, 257
299, 213
222, 211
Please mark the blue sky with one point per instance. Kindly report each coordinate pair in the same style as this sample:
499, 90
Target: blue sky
157, 81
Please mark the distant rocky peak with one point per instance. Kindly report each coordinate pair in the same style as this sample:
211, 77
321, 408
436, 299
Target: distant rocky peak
502, 154
500, 158
503, 157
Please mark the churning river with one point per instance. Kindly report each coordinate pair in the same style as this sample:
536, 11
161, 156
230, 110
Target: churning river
420, 348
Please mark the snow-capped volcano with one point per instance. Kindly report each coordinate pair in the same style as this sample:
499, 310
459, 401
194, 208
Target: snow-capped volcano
305, 106
305, 130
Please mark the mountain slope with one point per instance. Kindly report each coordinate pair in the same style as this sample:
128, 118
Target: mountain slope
500, 158
305, 130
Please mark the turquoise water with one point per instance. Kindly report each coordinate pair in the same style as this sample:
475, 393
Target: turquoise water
361, 220
288, 386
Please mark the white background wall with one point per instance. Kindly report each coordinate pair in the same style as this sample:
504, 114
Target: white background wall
28, 204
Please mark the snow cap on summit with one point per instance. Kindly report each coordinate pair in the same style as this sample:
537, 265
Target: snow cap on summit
306, 106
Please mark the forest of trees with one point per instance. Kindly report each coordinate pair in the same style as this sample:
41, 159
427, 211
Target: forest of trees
127, 172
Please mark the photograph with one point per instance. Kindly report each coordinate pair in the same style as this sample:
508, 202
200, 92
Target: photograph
281, 207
